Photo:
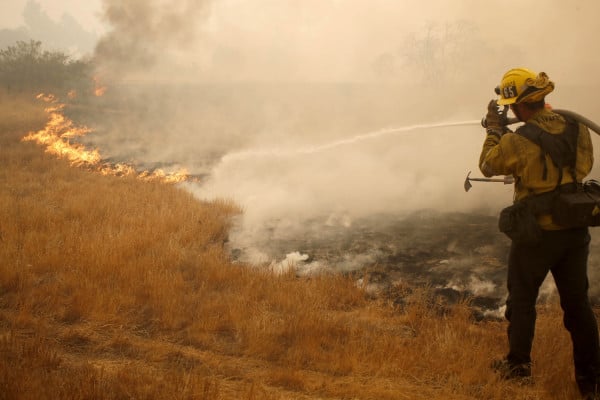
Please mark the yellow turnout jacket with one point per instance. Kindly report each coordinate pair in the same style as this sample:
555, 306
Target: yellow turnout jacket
516, 155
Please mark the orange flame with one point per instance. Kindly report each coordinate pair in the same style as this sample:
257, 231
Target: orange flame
59, 129
99, 89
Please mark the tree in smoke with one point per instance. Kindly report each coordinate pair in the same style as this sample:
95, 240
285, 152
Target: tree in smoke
436, 55
26, 67
440, 51
66, 33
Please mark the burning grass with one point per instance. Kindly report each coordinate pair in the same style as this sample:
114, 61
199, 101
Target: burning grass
112, 288
59, 137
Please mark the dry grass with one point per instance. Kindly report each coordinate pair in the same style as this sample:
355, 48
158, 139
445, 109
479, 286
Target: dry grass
112, 288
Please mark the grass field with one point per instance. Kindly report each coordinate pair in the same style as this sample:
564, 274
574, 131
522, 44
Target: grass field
115, 288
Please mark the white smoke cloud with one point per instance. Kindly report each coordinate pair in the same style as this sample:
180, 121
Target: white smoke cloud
348, 40
313, 114
413, 169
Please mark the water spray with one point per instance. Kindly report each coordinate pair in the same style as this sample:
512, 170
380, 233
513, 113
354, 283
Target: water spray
246, 154
385, 132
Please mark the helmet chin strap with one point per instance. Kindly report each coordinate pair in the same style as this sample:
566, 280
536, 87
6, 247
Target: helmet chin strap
517, 110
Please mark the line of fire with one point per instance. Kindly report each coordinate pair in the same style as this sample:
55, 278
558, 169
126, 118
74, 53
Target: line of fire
58, 138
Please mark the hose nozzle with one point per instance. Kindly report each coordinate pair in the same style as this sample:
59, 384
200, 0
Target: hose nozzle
509, 121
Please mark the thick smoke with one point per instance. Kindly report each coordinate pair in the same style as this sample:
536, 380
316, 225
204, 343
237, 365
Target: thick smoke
325, 119
345, 40
147, 32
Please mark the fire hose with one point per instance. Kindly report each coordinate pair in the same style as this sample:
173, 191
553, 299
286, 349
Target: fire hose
509, 179
565, 113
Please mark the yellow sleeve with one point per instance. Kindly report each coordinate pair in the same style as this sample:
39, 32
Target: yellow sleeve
492, 160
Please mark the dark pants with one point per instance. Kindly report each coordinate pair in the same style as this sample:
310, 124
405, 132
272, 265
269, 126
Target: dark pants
564, 253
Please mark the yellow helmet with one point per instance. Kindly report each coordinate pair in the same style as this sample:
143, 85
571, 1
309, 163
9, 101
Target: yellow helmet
521, 85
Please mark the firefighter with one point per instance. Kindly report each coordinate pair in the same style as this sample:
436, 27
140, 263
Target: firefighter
553, 248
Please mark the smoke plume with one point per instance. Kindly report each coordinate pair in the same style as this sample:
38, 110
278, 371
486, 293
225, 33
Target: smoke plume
331, 120
145, 32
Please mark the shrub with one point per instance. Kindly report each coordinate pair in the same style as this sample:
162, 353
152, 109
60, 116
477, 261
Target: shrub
26, 67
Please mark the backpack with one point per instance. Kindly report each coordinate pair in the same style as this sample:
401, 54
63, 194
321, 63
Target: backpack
571, 205
562, 147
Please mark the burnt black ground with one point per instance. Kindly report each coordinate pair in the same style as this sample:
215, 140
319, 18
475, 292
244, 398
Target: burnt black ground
458, 255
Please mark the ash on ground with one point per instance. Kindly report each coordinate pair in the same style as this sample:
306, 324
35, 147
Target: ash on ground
459, 256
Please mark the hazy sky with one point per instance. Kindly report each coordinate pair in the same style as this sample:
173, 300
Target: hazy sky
87, 12
337, 39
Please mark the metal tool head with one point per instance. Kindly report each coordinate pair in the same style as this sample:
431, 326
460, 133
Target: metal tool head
468, 183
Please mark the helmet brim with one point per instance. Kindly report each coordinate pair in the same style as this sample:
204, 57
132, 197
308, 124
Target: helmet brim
506, 102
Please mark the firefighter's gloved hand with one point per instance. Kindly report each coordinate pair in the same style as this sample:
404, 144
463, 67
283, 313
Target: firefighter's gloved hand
496, 119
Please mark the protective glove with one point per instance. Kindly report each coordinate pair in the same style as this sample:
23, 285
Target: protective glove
496, 119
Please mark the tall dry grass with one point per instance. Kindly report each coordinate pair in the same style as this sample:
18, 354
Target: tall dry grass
113, 288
